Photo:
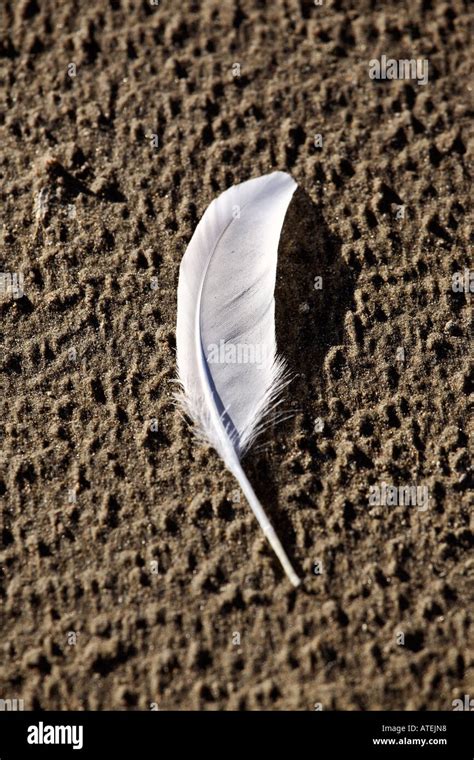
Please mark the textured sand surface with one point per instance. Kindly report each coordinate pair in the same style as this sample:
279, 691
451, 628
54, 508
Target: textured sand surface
129, 573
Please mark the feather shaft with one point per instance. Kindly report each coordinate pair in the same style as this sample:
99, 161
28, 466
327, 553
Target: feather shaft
264, 522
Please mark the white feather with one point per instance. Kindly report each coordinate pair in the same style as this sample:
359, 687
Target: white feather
226, 303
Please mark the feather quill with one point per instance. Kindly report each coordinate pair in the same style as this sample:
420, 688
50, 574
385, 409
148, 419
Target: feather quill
230, 374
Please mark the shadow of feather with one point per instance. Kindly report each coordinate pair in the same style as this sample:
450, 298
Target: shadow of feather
309, 321
309, 312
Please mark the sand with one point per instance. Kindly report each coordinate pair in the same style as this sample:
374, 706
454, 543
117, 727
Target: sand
131, 575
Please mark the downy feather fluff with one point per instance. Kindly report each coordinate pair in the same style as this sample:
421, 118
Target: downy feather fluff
226, 309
